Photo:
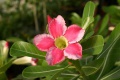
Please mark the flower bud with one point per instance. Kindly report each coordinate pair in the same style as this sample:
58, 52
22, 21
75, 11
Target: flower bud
25, 60
4, 48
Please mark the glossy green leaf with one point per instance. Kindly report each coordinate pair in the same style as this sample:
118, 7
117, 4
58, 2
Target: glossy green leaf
58, 73
104, 24
110, 52
21, 48
88, 10
113, 75
88, 14
40, 71
92, 67
93, 45
87, 21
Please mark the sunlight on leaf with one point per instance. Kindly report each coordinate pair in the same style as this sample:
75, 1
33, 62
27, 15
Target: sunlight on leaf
21, 48
88, 14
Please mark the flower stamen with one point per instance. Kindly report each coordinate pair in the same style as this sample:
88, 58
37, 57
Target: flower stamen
61, 42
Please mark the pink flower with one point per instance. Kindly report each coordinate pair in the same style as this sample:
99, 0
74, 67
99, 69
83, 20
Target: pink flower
34, 61
61, 42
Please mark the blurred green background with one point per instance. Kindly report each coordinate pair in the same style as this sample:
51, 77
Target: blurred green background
23, 19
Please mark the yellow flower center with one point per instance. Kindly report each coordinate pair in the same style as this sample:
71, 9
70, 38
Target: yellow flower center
61, 42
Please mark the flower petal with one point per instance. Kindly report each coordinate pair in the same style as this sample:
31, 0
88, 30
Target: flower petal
54, 56
57, 26
43, 42
49, 19
74, 33
73, 51
34, 61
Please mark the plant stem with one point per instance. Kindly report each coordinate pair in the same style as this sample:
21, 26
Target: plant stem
35, 18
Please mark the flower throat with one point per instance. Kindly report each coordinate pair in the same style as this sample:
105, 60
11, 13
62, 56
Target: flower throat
61, 42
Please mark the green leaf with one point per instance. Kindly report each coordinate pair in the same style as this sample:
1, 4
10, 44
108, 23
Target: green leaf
112, 40
118, 2
69, 74
88, 10
68, 78
20, 77
4, 68
78, 66
89, 32
110, 52
93, 45
117, 63
112, 75
74, 78
111, 9
21, 48
89, 35
7, 65
96, 21
58, 73
88, 14
87, 21
92, 67
104, 24
76, 19
114, 12
40, 71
